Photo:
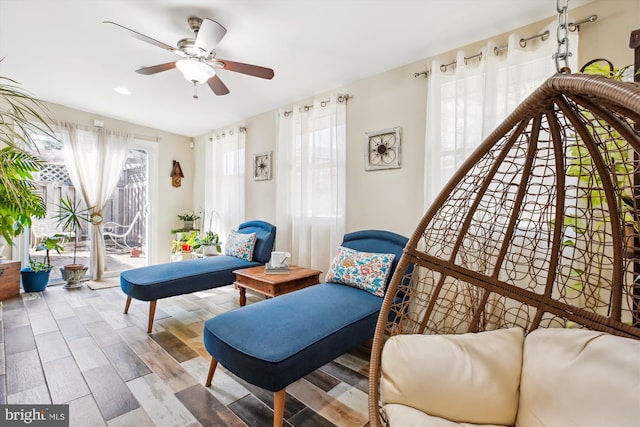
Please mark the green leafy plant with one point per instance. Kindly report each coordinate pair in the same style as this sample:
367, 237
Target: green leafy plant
180, 245
20, 201
37, 266
70, 216
615, 149
209, 238
188, 217
50, 243
21, 116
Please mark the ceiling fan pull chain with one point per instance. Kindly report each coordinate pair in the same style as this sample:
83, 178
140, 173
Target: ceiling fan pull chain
195, 90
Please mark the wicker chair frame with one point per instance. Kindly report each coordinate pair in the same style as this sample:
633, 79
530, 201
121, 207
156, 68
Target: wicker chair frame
539, 228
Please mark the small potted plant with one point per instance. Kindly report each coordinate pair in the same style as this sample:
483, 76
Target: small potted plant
209, 242
35, 276
70, 217
182, 245
188, 220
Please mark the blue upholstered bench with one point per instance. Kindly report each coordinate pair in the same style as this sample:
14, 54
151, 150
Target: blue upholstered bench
166, 280
275, 342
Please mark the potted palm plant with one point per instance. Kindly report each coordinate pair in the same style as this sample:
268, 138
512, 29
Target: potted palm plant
19, 199
20, 114
70, 217
35, 276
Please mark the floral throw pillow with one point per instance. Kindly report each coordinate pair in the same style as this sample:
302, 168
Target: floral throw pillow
240, 245
364, 270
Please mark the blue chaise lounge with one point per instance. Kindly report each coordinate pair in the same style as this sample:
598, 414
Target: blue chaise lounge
274, 342
166, 280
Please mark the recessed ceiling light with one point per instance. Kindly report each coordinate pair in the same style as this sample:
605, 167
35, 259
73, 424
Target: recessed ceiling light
122, 90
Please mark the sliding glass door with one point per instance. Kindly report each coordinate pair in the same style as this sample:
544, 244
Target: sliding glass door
125, 216
125, 219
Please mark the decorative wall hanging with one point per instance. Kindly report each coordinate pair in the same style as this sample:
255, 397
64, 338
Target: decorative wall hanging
176, 174
382, 149
262, 166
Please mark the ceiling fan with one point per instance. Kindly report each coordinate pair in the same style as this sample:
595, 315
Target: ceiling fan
199, 63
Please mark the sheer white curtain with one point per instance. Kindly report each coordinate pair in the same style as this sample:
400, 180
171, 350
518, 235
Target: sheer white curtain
95, 158
311, 181
224, 189
465, 104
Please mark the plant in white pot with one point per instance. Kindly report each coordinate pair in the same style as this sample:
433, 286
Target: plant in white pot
70, 216
188, 220
209, 242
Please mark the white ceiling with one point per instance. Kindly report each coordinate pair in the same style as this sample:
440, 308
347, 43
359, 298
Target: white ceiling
62, 52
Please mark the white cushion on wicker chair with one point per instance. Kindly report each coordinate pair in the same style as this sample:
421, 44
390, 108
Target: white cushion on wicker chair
471, 378
576, 377
406, 416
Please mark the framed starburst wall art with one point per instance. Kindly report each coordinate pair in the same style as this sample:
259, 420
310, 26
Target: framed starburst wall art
262, 166
382, 149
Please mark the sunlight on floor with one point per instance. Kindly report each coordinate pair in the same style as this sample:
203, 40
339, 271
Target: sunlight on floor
116, 262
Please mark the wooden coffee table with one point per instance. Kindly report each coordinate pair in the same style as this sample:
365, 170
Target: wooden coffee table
272, 285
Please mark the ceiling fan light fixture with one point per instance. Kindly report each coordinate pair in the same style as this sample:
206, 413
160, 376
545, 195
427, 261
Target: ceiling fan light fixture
194, 70
199, 64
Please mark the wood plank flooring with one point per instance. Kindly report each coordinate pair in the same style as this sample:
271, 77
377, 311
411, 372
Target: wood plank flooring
78, 347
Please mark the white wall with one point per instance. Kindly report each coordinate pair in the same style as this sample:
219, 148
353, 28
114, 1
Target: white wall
393, 199
389, 199
260, 195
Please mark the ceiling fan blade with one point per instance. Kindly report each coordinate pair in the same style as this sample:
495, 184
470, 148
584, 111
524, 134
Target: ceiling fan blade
209, 35
144, 38
156, 68
217, 86
239, 67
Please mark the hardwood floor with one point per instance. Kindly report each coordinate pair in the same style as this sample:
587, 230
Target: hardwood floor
78, 347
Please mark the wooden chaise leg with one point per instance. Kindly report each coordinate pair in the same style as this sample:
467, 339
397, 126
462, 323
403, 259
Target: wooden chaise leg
127, 305
152, 313
278, 397
212, 369
278, 407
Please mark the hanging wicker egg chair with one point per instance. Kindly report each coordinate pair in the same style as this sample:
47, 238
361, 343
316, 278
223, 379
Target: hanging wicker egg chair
538, 229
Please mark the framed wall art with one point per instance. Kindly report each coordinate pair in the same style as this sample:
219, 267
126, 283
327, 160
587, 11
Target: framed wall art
382, 149
262, 166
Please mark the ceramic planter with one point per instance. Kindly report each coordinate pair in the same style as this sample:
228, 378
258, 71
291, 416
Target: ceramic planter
34, 281
209, 250
73, 275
